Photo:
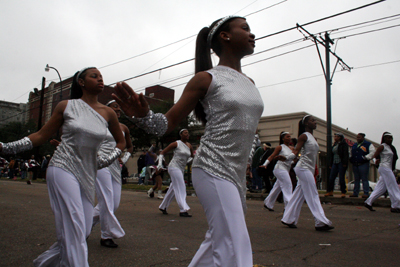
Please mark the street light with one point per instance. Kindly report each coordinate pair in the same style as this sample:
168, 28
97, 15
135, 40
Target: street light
47, 68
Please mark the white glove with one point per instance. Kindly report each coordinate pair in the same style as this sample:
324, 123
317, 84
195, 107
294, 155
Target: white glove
126, 156
160, 160
266, 163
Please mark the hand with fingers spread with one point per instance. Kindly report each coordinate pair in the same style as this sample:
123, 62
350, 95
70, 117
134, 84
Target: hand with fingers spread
132, 104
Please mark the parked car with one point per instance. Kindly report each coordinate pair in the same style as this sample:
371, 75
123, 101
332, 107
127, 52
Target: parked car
350, 186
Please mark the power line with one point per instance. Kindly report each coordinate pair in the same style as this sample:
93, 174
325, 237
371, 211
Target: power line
321, 19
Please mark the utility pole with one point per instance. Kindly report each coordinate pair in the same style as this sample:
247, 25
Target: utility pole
328, 79
39, 126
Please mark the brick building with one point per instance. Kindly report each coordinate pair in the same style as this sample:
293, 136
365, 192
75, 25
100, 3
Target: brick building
12, 112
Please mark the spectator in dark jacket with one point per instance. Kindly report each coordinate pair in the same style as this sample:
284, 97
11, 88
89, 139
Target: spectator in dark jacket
339, 163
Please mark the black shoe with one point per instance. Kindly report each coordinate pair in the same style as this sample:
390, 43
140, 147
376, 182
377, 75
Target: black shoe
324, 228
28, 182
368, 207
108, 243
164, 211
291, 225
394, 210
265, 206
185, 214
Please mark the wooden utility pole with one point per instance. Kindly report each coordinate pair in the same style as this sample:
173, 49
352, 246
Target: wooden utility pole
328, 79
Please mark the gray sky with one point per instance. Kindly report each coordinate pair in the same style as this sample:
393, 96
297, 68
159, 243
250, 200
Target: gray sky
70, 35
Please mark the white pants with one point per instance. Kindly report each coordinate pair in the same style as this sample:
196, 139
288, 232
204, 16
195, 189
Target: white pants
227, 242
73, 213
108, 196
305, 190
177, 188
283, 184
387, 181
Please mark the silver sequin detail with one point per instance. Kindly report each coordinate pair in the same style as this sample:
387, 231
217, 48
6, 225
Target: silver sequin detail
106, 147
309, 153
106, 160
386, 157
255, 144
15, 147
181, 156
83, 131
233, 107
152, 123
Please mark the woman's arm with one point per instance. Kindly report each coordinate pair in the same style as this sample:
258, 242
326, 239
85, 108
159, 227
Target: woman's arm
135, 104
272, 156
378, 152
128, 141
115, 129
49, 129
169, 148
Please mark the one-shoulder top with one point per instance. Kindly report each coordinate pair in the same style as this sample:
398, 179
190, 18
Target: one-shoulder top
83, 131
233, 107
284, 165
309, 153
386, 157
181, 155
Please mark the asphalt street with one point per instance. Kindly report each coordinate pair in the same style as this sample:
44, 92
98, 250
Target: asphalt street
360, 237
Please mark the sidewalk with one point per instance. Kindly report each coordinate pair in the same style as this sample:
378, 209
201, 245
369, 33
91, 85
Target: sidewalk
336, 199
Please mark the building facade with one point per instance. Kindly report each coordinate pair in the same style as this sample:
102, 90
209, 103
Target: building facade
12, 112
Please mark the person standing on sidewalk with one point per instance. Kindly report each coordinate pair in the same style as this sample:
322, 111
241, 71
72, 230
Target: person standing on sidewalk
361, 153
176, 168
339, 162
305, 189
386, 156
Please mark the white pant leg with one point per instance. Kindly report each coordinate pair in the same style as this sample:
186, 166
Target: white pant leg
270, 200
117, 188
311, 195
293, 208
110, 226
284, 185
227, 241
379, 190
73, 218
179, 189
169, 196
387, 182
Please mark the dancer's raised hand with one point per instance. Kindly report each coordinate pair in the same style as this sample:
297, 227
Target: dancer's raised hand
132, 104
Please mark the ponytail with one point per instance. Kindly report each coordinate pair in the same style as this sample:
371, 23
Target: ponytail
76, 90
203, 55
202, 63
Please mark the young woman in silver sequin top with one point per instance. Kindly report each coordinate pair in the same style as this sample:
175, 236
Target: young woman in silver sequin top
230, 106
72, 170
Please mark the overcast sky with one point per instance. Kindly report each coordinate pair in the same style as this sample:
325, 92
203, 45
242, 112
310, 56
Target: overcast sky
70, 35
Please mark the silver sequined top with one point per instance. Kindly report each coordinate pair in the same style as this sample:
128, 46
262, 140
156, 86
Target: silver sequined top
82, 133
309, 153
284, 165
386, 157
181, 155
233, 107
106, 147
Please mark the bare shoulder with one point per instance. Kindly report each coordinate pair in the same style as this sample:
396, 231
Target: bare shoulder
124, 127
61, 106
200, 82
